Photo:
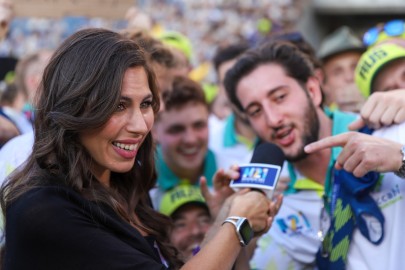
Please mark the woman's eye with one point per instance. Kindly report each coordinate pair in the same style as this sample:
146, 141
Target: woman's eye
146, 104
120, 107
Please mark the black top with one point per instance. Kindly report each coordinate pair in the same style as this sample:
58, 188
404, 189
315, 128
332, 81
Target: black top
54, 227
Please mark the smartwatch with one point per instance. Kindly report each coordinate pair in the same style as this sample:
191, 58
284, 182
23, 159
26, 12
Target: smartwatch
242, 227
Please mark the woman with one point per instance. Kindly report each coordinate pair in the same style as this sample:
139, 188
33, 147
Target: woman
81, 199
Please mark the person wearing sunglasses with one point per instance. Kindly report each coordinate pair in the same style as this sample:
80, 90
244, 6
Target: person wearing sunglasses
393, 30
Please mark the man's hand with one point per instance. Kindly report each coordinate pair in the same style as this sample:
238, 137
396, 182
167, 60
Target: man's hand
362, 153
382, 109
221, 189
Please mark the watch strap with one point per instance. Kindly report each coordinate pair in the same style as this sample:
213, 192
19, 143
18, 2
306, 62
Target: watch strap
401, 170
238, 222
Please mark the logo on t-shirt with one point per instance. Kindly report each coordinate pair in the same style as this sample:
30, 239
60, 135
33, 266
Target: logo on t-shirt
294, 224
389, 197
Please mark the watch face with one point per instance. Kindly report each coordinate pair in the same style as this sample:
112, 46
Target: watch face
246, 231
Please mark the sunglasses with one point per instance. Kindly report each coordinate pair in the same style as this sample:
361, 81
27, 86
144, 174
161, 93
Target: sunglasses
392, 28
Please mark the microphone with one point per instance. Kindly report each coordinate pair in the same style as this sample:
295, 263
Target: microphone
263, 171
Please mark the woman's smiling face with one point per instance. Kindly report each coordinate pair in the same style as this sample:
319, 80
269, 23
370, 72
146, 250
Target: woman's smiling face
114, 146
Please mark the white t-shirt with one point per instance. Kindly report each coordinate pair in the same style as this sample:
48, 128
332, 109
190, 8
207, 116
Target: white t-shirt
291, 242
391, 200
226, 155
14, 153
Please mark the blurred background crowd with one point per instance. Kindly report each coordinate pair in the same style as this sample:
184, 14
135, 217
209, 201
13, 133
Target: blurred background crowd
208, 24
39, 24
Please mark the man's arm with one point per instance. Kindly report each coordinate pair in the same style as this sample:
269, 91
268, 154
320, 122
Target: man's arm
382, 109
362, 153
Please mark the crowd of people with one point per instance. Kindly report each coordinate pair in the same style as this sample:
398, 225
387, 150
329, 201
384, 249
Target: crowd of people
114, 154
205, 28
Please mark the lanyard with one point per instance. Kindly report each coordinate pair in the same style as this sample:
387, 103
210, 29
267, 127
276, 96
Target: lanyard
327, 186
328, 202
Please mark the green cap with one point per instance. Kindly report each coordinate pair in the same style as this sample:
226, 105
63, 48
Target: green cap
180, 196
264, 25
178, 41
371, 63
210, 92
341, 40
382, 36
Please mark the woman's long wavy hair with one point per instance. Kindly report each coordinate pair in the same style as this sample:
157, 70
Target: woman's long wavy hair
80, 90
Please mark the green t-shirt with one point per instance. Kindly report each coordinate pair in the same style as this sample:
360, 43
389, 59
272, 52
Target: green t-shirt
167, 179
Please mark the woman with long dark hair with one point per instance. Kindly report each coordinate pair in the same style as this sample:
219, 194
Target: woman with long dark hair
81, 199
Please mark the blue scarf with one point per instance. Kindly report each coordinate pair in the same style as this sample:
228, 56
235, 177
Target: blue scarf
351, 207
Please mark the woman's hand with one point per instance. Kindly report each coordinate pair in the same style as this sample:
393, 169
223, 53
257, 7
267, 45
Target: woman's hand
257, 208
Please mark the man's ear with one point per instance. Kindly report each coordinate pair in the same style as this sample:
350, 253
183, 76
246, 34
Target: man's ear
314, 90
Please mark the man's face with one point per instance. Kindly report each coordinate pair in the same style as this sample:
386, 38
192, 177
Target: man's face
280, 110
221, 107
6, 14
191, 223
222, 69
182, 66
183, 136
34, 72
391, 76
164, 77
339, 73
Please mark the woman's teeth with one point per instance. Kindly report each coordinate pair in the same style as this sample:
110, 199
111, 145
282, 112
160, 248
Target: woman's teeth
128, 147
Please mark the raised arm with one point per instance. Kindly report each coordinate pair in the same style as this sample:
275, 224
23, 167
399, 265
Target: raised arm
221, 190
382, 109
223, 247
362, 153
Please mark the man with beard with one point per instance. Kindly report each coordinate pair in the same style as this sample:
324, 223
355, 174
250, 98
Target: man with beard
275, 86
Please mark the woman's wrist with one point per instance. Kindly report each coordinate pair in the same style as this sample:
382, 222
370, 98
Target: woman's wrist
242, 227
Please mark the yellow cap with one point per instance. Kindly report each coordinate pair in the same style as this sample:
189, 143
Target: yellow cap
210, 92
178, 41
264, 25
179, 196
371, 63
384, 37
